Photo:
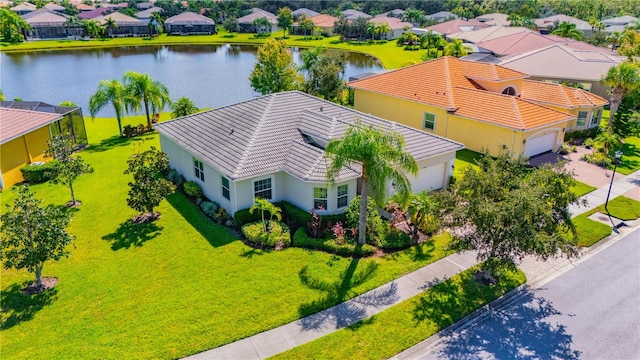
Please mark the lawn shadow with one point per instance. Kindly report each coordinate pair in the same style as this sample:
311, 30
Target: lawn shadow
251, 252
109, 143
522, 330
338, 313
17, 307
217, 235
130, 234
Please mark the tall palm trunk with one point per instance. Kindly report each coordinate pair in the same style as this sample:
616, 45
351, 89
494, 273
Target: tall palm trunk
616, 99
146, 110
119, 125
362, 221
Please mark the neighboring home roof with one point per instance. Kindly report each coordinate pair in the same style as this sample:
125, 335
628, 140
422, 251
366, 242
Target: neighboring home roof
84, 7
488, 33
92, 14
441, 15
18, 122
556, 94
456, 26
121, 19
257, 14
551, 20
305, 11
144, 5
454, 84
283, 132
46, 18
189, 18
54, 7
621, 20
38, 106
25, 6
522, 42
563, 62
146, 14
481, 57
121, 5
496, 19
352, 14
394, 23
324, 20
396, 12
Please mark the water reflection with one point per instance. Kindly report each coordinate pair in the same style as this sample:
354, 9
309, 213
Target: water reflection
210, 75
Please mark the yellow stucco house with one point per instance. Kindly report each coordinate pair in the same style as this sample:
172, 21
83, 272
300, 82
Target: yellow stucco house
484, 106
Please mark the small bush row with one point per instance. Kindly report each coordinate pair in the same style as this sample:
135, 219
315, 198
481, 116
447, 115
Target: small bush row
301, 239
194, 191
292, 215
129, 131
36, 174
275, 235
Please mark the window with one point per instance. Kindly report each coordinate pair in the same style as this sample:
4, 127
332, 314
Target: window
429, 121
198, 168
225, 188
262, 189
320, 198
597, 115
343, 196
582, 118
509, 91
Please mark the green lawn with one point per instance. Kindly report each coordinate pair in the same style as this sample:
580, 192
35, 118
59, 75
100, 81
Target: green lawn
581, 188
630, 156
621, 207
407, 323
172, 288
589, 231
390, 55
464, 159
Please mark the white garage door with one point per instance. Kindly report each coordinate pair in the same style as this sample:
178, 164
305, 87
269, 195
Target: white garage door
540, 144
430, 178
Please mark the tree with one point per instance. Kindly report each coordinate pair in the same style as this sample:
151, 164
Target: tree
372, 30
231, 24
94, 30
567, 30
261, 24
629, 44
325, 76
12, 27
414, 16
274, 70
517, 20
156, 22
622, 78
108, 25
383, 29
148, 188
144, 90
310, 56
73, 23
285, 20
359, 28
68, 103
110, 91
305, 24
67, 168
430, 40
504, 211
31, 234
457, 48
2, 97
381, 154
183, 107
263, 205
341, 27
409, 40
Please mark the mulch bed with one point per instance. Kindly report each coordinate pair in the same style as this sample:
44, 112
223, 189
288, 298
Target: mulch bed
146, 217
33, 288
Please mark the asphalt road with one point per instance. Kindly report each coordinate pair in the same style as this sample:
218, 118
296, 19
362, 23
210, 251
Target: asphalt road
590, 312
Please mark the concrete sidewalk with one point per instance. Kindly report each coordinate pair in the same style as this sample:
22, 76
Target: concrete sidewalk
286, 337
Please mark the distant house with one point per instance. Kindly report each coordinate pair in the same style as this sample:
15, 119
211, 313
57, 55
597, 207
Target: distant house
482, 57
46, 24
494, 19
619, 23
23, 8
322, 21
522, 42
561, 63
352, 14
396, 26
398, 13
189, 23
144, 5
92, 14
488, 33
482, 105
441, 16
54, 7
246, 22
304, 11
145, 15
26, 127
127, 25
84, 7
456, 26
545, 24
272, 147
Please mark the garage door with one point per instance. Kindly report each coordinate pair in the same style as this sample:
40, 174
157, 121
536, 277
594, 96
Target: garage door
540, 144
430, 178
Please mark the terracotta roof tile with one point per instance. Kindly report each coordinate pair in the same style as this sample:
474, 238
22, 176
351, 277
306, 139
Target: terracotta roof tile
456, 26
556, 94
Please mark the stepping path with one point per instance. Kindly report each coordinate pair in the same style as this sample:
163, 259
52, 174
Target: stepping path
286, 337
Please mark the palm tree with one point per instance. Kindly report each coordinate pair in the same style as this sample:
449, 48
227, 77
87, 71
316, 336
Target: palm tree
381, 154
261, 24
622, 78
264, 205
372, 29
429, 40
156, 21
146, 91
110, 91
110, 24
420, 208
2, 97
183, 107
72, 23
383, 29
567, 30
614, 39
457, 48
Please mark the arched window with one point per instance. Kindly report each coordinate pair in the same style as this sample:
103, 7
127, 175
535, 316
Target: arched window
509, 91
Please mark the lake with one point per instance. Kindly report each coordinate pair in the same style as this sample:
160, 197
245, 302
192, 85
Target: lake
210, 75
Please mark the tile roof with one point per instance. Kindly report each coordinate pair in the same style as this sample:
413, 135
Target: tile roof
494, 19
488, 33
564, 62
25, 6
92, 14
121, 19
556, 94
146, 14
621, 20
394, 23
305, 11
456, 26
257, 14
324, 20
276, 133
17, 122
46, 18
560, 18
352, 14
54, 7
189, 18
442, 15
84, 7
453, 84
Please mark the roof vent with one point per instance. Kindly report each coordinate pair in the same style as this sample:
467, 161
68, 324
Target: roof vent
231, 132
321, 108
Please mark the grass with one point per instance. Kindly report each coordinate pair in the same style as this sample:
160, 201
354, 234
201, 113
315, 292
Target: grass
409, 322
464, 158
621, 207
172, 288
589, 231
630, 161
581, 188
390, 55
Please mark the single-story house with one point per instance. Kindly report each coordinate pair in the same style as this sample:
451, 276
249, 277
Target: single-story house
545, 24
396, 26
144, 5
619, 23
92, 14
26, 128
455, 26
398, 13
127, 25
272, 147
145, 15
482, 105
246, 22
441, 16
494, 19
46, 24
54, 7
323, 21
189, 23
488, 33
352, 14
82, 7
23, 8
560, 63
526, 41
304, 11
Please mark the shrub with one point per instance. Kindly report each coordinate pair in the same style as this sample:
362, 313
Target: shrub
243, 217
564, 149
210, 208
175, 177
577, 137
36, 174
221, 215
292, 215
597, 158
301, 239
375, 224
429, 225
278, 235
133, 131
395, 239
193, 189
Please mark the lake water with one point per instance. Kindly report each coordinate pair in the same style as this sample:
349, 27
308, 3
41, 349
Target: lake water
210, 75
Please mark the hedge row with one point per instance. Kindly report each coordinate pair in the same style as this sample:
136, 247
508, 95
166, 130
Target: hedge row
292, 215
300, 239
36, 174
